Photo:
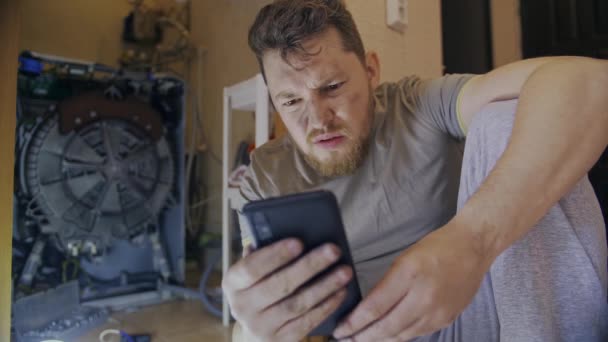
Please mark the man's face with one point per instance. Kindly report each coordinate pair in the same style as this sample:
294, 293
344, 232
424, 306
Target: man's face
325, 101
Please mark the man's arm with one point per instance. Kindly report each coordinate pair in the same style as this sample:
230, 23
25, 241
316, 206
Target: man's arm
560, 130
503, 83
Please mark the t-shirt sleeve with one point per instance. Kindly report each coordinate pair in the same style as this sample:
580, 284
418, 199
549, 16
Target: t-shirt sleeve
258, 182
436, 101
248, 192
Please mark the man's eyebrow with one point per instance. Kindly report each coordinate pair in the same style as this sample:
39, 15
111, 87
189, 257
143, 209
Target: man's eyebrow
327, 80
286, 94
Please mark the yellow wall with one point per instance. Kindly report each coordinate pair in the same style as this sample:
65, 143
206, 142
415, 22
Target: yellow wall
506, 31
9, 32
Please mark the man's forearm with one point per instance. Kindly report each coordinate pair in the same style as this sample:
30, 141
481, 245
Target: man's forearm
560, 130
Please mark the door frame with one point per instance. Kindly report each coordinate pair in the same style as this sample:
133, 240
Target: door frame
539, 38
467, 36
10, 21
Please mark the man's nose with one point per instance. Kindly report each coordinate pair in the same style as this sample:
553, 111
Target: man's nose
321, 113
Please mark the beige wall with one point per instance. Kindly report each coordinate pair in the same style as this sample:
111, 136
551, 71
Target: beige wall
506, 31
416, 51
88, 30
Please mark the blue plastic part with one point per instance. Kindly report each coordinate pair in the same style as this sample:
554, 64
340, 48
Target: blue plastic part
30, 65
125, 337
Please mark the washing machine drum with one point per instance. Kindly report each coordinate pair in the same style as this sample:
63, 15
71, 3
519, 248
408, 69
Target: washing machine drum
105, 177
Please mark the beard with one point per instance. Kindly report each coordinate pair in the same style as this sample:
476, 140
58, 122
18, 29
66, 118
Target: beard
341, 162
350, 156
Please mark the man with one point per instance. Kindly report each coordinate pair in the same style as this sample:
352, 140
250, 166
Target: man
523, 259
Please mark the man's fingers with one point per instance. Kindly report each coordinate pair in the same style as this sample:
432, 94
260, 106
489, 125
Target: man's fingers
286, 281
301, 326
248, 249
418, 328
381, 299
307, 298
401, 317
260, 263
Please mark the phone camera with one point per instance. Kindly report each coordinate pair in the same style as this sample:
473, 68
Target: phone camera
262, 226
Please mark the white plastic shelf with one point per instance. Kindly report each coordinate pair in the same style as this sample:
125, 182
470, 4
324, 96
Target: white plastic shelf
234, 198
249, 96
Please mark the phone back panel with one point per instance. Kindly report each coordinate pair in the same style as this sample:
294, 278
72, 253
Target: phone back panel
314, 218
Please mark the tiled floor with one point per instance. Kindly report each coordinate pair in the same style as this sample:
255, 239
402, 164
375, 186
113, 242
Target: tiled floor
176, 321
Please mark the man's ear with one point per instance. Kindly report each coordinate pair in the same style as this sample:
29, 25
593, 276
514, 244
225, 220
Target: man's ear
372, 67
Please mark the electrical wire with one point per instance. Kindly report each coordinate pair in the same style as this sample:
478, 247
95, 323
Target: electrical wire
191, 149
108, 332
65, 268
197, 108
205, 201
180, 49
201, 294
196, 129
214, 156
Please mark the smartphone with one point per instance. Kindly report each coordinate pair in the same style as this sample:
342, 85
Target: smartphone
313, 218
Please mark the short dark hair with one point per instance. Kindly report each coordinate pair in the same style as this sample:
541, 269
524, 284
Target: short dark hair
286, 24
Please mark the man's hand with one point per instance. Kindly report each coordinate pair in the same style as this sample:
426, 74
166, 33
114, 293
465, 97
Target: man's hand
265, 294
427, 287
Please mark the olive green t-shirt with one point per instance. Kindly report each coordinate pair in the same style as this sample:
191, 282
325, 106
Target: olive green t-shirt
406, 187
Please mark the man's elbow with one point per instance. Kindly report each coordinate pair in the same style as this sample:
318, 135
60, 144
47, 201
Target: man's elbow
597, 70
594, 70
595, 73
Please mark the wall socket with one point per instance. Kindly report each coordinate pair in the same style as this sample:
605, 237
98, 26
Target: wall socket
397, 14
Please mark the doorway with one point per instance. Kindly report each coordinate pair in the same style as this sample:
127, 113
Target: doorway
467, 36
569, 27
564, 27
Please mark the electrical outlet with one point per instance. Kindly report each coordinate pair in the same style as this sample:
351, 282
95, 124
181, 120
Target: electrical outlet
397, 14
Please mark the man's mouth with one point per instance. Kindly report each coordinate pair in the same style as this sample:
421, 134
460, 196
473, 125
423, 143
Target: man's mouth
329, 140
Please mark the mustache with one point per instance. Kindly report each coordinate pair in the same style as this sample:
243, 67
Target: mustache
332, 129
